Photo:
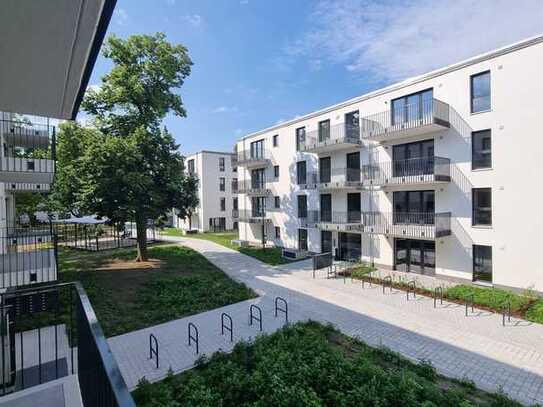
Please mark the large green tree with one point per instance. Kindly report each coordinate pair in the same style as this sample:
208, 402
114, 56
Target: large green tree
128, 167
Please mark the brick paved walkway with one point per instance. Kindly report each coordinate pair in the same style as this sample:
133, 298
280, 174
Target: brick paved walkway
476, 347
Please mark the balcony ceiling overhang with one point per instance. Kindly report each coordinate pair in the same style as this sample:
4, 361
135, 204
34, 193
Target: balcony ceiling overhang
48, 50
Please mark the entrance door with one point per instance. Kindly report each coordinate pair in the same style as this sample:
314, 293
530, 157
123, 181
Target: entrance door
350, 246
326, 241
416, 256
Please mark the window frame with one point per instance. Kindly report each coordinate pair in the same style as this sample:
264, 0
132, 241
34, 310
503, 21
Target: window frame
277, 202
222, 204
275, 140
471, 96
222, 184
277, 232
222, 164
476, 133
276, 172
300, 131
474, 209
476, 257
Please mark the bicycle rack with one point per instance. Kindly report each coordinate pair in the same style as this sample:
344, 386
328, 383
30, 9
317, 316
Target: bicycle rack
229, 328
255, 317
193, 338
387, 280
506, 306
153, 350
283, 310
411, 287
438, 290
369, 280
472, 297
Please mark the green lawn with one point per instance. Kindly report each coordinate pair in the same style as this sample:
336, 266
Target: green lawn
269, 255
312, 365
126, 299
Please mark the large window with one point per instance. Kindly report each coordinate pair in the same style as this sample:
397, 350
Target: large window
414, 107
258, 206
302, 206
235, 204
480, 92
300, 138
325, 169
352, 125
222, 184
482, 263
257, 149
221, 164
326, 208
353, 167
301, 172
277, 232
223, 204
414, 207
277, 202
413, 158
481, 149
276, 171
191, 167
275, 140
324, 130
258, 178
482, 206
302, 239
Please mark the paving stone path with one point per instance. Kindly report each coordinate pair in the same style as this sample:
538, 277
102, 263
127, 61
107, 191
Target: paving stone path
476, 347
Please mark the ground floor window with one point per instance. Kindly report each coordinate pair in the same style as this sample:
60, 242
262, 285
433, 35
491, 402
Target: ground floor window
235, 226
416, 256
326, 241
217, 224
482, 263
350, 246
302, 239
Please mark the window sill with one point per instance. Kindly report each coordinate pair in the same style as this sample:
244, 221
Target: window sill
482, 226
481, 112
482, 283
481, 169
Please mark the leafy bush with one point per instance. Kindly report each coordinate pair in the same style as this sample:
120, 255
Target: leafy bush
489, 297
535, 312
310, 365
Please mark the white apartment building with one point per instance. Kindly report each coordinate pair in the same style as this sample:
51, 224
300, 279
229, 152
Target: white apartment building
433, 175
217, 192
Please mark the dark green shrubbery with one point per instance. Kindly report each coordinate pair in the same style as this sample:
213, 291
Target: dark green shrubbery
311, 365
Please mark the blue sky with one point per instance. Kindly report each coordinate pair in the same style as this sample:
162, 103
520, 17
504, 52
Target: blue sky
259, 62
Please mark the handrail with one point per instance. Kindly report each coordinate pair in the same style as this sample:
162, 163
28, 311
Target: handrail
192, 338
254, 317
411, 287
153, 350
506, 306
436, 291
387, 280
472, 297
228, 328
283, 310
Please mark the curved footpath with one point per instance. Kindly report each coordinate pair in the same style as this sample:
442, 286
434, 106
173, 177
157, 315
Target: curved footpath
476, 347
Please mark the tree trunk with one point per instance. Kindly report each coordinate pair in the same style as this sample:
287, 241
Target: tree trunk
141, 230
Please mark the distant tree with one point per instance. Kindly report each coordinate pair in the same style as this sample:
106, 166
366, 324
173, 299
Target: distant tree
129, 167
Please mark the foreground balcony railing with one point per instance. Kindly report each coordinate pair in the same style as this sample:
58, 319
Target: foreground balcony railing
337, 137
28, 153
27, 256
335, 220
409, 120
427, 170
253, 158
253, 216
250, 187
51, 331
420, 225
339, 178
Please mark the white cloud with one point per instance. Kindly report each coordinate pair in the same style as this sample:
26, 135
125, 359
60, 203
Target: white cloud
225, 109
120, 16
395, 40
194, 20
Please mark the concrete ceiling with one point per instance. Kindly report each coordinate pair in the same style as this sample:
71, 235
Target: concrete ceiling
47, 52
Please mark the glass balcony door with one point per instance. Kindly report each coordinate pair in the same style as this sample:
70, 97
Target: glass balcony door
325, 169
326, 208
415, 256
413, 158
414, 207
350, 246
412, 108
353, 167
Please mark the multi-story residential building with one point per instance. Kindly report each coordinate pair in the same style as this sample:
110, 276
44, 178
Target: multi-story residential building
432, 175
218, 187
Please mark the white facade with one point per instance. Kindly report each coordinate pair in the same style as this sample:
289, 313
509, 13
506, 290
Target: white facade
439, 236
217, 192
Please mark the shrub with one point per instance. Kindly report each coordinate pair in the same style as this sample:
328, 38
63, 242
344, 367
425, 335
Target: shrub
489, 297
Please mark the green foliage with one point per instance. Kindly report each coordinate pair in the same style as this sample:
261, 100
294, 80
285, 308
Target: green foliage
535, 312
309, 365
488, 297
28, 203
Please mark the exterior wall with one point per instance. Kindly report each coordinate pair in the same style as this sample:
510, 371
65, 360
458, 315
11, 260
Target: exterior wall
516, 162
206, 165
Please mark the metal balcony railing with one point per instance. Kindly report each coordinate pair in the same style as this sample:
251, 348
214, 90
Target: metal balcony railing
426, 225
251, 187
256, 157
410, 171
338, 217
340, 178
27, 147
406, 118
309, 181
340, 134
253, 216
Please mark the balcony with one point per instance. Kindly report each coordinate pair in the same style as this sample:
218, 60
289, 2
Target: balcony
410, 120
415, 171
28, 154
340, 178
337, 137
350, 221
253, 216
26, 186
253, 158
416, 225
251, 188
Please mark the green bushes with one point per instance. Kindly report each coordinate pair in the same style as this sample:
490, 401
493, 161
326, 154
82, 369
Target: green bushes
489, 297
311, 365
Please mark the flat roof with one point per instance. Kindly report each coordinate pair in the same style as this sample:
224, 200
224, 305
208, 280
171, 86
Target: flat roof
212, 152
407, 82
